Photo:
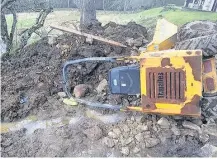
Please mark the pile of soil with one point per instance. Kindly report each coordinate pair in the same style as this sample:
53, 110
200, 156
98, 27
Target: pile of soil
32, 78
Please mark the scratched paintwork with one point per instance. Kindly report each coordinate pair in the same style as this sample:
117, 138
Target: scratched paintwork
173, 60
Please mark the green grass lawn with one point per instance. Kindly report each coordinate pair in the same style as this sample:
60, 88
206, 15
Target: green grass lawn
147, 18
178, 17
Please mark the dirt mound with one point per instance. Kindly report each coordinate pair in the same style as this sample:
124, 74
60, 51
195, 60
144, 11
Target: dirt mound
32, 78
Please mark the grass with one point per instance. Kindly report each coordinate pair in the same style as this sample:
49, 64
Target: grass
178, 17
146, 18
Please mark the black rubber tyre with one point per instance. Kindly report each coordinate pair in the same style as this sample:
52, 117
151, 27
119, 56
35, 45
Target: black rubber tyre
206, 43
209, 107
196, 29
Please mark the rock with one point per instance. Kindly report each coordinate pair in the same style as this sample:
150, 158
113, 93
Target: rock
163, 122
181, 140
142, 128
52, 40
190, 125
94, 133
112, 135
203, 137
61, 94
102, 85
210, 129
125, 128
151, 142
130, 42
115, 141
139, 137
117, 131
89, 40
197, 122
132, 118
108, 142
142, 49
189, 132
127, 141
165, 134
208, 150
149, 124
138, 118
138, 42
175, 130
136, 150
80, 90
147, 134
134, 53
125, 151
145, 41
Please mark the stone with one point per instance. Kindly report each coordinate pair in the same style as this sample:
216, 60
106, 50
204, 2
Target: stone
61, 94
163, 122
181, 140
127, 141
189, 132
136, 150
197, 122
149, 124
151, 142
80, 90
132, 118
190, 125
139, 137
138, 118
208, 150
89, 40
52, 40
130, 41
175, 130
147, 134
145, 41
203, 137
142, 128
115, 141
125, 128
134, 53
142, 49
94, 133
125, 151
138, 42
210, 129
102, 86
165, 134
112, 135
108, 142
117, 131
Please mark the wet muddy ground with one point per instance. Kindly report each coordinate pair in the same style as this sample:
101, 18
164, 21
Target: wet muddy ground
37, 123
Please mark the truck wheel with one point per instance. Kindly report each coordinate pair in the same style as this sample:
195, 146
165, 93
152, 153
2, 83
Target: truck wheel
196, 29
209, 107
206, 43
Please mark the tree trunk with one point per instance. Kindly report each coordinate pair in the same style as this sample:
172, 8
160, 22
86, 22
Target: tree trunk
88, 13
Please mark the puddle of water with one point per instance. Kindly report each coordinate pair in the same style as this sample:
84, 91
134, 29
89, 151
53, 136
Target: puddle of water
31, 124
108, 118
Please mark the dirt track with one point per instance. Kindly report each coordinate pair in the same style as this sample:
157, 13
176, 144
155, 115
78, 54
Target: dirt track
32, 78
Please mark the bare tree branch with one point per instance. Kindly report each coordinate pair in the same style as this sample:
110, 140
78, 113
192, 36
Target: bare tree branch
26, 34
8, 38
5, 3
13, 25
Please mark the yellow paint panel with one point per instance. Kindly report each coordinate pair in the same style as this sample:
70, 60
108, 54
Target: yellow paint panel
164, 37
177, 61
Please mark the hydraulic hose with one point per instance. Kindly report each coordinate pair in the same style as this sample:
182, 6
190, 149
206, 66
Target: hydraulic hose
72, 62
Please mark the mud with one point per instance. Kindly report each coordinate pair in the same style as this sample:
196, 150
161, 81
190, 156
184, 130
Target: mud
31, 80
34, 74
